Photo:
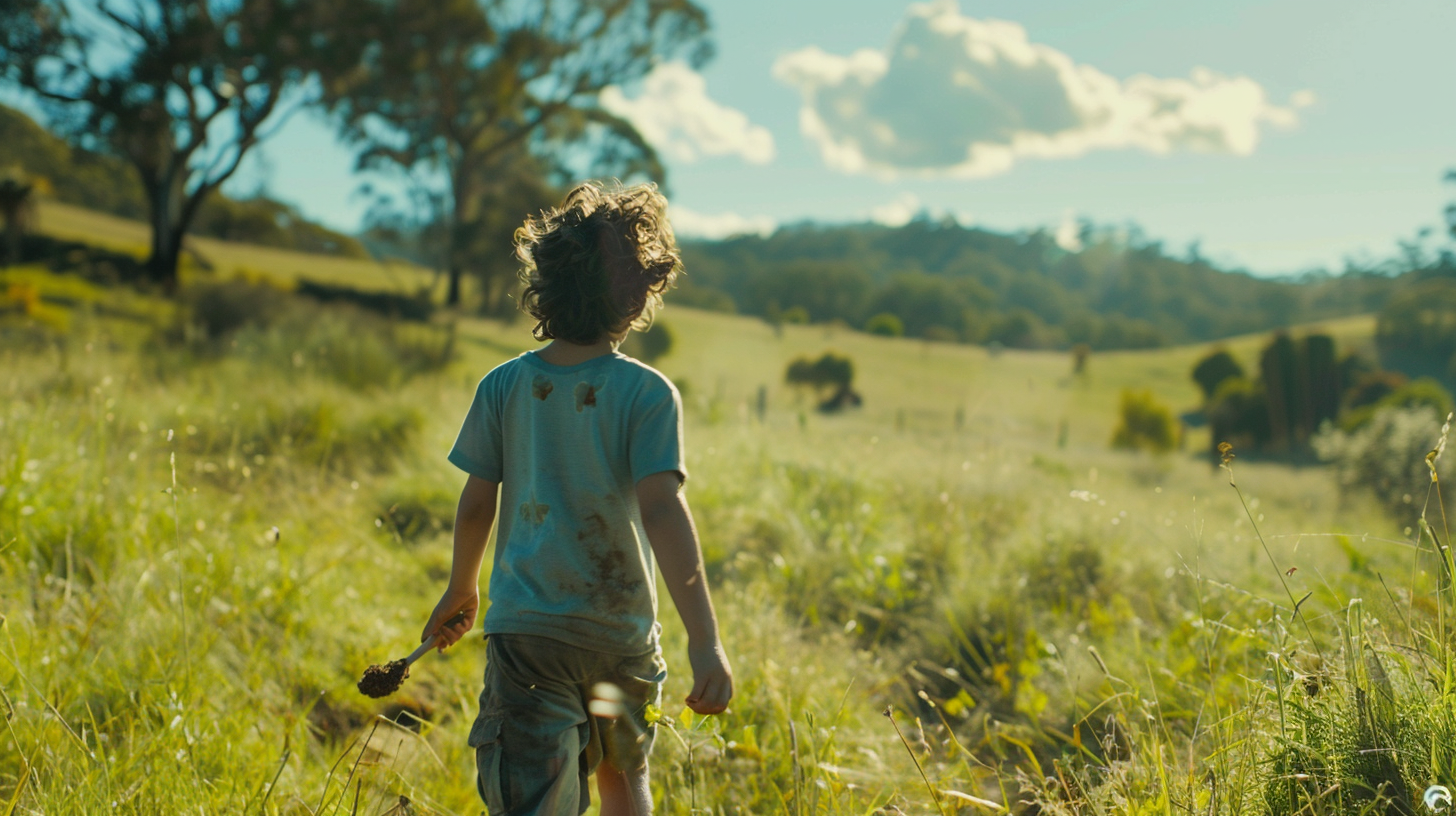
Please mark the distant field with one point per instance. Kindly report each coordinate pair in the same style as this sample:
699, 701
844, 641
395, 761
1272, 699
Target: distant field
76, 224
1013, 397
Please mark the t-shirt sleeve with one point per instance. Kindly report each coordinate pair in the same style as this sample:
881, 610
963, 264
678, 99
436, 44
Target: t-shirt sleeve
655, 443
477, 449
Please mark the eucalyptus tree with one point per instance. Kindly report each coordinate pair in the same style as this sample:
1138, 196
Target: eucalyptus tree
483, 95
180, 89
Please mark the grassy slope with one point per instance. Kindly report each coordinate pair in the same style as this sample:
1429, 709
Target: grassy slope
827, 497
77, 224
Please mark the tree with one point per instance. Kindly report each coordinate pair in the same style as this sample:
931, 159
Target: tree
1213, 369
17, 209
831, 374
471, 90
180, 89
1416, 331
885, 324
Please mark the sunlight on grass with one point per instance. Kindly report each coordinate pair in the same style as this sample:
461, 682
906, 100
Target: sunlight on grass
203, 546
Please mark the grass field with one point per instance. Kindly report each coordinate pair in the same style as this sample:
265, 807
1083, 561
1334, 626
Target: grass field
227, 258
203, 545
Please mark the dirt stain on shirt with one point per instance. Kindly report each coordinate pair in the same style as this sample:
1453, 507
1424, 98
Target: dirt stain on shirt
614, 582
586, 396
541, 387
533, 512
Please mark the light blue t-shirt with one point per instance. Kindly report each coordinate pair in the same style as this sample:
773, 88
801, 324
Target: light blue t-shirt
568, 445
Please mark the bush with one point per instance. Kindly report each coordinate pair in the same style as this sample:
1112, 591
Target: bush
885, 325
1423, 392
1213, 369
416, 306
1239, 414
1146, 423
217, 310
796, 315
1387, 456
830, 371
832, 374
651, 345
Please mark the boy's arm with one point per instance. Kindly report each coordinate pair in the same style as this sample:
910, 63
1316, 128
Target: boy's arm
674, 541
473, 518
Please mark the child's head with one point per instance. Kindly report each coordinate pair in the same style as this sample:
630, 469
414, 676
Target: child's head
598, 264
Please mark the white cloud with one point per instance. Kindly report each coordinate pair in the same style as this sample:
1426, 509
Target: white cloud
961, 97
691, 224
674, 113
1069, 233
896, 213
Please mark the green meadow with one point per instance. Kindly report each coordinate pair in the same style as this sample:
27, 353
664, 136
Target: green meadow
956, 598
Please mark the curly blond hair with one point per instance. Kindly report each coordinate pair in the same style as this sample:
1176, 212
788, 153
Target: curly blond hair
598, 264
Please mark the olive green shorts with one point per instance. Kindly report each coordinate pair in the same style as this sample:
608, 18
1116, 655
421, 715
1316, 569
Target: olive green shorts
537, 739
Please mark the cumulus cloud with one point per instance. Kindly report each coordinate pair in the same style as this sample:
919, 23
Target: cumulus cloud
898, 212
674, 113
691, 224
961, 97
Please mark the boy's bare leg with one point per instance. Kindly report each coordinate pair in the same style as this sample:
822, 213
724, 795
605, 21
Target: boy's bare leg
624, 793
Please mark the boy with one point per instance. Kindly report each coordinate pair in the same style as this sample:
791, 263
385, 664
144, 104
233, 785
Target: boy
585, 445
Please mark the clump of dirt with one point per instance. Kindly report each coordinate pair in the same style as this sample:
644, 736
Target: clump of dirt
382, 681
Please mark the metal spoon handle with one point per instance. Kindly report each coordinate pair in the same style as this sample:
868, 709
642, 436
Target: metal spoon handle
430, 641
420, 652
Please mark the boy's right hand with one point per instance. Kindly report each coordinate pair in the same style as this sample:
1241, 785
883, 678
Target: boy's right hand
712, 678
451, 604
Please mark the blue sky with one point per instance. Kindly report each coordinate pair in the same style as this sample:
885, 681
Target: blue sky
1280, 135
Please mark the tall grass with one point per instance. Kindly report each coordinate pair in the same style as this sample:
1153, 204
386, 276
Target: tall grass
1053, 630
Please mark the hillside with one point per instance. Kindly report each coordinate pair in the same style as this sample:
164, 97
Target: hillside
230, 258
107, 184
945, 281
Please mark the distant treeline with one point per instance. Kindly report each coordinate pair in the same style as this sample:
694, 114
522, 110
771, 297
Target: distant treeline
102, 182
943, 281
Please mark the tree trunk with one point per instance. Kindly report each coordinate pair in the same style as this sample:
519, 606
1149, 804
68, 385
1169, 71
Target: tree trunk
462, 216
452, 297
166, 233
12, 241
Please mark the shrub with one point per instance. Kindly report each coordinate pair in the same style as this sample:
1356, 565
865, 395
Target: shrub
1146, 423
651, 345
830, 371
1422, 392
1239, 414
832, 374
885, 325
1386, 456
1213, 369
416, 306
796, 315
217, 310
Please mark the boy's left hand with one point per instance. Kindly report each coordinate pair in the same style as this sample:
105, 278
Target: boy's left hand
451, 604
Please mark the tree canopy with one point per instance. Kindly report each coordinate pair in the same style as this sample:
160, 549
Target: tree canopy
946, 281
493, 96
179, 89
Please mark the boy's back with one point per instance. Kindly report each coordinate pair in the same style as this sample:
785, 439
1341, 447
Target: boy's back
567, 445
583, 448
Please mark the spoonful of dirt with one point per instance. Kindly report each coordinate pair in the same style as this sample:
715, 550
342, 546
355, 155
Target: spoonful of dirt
382, 681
